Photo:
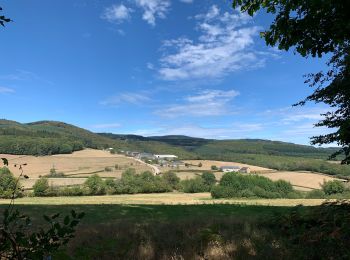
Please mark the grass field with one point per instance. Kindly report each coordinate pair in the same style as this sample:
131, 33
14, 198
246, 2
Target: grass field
173, 198
142, 227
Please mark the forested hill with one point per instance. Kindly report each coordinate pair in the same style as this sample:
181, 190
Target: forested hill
51, 137
205, 148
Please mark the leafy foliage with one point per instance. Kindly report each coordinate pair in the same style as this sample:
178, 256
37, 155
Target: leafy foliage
333, 187
18, 241
4, 19
41, 187
8, 184
321, 233
235, 185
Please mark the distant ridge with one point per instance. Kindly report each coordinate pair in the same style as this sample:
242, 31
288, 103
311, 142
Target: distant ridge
51, 137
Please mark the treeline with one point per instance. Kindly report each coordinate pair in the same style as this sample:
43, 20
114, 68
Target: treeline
37, 146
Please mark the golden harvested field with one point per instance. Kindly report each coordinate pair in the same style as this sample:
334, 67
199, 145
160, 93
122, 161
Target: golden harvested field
173, 198
300, 180
86, 162
76, 167
206, 165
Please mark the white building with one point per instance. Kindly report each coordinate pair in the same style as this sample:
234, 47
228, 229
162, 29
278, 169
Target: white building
165, 156
230, 168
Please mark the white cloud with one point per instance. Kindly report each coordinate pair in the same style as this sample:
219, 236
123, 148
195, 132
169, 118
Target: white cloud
107, 126
117, 13
153, 9
132, 98
205, 103
223, 46
6, 90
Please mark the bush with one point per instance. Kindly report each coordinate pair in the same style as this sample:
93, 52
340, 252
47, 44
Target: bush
194, 185
54, 174
200, 164
108, 169
333, 187
315, 194
95, 185
208, 178
171, 179
8, 184
41, 187
237, 185
214, 168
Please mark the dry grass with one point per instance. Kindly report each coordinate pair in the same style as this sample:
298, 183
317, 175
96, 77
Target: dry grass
300, 180
79, 164
174, 198
206, 165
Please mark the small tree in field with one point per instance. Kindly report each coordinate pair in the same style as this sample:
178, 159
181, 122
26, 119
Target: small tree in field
41, 187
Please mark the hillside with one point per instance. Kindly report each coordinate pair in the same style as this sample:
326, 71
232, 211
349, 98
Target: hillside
51, 137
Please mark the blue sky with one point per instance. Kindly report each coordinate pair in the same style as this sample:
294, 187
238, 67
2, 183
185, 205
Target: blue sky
152, 67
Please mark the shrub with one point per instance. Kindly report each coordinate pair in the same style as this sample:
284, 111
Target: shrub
108, 169
200, 164
41, 187
315, 194
333, 187
208, 178
54, 174
8, 184
171, 179
238, 185
214, 167
194, 185
95, 185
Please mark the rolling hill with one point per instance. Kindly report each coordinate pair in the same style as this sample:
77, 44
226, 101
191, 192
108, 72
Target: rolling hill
51, 137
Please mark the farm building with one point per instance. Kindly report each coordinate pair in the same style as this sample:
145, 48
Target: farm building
230, 168
147, 156
175, 164
165, 156
244, 170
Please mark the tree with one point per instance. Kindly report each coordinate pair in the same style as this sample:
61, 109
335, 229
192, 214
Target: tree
95, 185
4, 19
208, 178
172, 179
41, 187
316, 28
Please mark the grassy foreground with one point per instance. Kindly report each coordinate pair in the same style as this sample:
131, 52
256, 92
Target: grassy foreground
171, 226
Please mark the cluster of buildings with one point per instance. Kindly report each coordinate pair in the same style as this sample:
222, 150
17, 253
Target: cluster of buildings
235, 169
165, 160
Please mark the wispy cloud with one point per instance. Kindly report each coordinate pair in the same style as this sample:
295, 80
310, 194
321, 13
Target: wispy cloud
4, 90
117, 13
132, 98
106, 126
187, 1
153, 9
24, 75
225, 44
205, 103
